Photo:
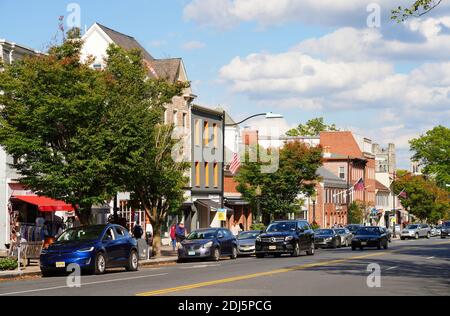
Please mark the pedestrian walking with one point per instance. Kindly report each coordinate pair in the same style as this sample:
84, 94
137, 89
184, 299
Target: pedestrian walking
180, 234
173, 236
236, 229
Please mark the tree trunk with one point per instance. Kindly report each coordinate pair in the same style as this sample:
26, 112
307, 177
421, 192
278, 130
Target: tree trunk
156, 238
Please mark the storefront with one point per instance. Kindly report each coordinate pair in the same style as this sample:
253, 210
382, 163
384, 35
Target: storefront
38, 218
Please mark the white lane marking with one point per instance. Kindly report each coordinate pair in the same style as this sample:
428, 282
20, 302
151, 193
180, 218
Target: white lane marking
429, 258
391, 268
201, 266
82, 284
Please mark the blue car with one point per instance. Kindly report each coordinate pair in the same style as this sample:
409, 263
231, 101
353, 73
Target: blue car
211, 243
93, 249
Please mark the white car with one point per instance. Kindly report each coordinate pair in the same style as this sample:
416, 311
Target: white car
416, 231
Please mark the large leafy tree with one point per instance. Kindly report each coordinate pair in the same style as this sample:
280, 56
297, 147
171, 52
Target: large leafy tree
312, 128
423, 197
52, 109
279, 191
433, 152
142, 144
418, 8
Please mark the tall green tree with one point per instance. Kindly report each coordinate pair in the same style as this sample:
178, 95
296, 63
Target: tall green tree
296, 174
356, 213
418, 8
143, 146
52, 108
433, 152
312, 128
423, 197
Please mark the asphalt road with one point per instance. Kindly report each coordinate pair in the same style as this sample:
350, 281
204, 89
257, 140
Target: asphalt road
408, 268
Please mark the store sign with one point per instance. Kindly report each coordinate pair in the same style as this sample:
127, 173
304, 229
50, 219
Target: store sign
222, 214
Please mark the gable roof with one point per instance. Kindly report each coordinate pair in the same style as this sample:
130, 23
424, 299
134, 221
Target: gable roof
330, 179
125, 41
381, 187
168, 69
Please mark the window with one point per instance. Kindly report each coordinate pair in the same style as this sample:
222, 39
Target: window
342, 172
175, 118
216, 175
166, 118
205, 133
120, 232
197, 132
109, 235
206, 174
216, 136
184, 121
197, 174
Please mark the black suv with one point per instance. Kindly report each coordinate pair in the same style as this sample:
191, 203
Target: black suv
445, 230
286, 237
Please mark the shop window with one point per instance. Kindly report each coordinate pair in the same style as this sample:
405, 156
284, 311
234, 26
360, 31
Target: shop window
216, 175
197, 174
206, 174
197, 132
205, 133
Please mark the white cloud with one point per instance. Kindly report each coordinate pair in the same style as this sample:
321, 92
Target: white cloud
193, 45
229, 13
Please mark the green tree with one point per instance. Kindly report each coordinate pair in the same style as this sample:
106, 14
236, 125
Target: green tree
423, 197
312, 128
417, 9
356, 213
296, 174
143, 145
52, 108
433, 152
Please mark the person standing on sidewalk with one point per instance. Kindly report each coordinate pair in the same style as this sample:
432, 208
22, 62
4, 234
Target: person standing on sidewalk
236, 229
173, 236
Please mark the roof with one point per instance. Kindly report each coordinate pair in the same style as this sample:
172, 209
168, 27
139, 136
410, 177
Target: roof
203, 109
125, 41
330, 179
168, 69
381, 187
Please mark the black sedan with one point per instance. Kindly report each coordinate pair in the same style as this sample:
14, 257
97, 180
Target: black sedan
212, 243
327, 238
373, 237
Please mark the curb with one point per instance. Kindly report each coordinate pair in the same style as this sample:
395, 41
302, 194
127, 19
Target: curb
15, 274
158, 262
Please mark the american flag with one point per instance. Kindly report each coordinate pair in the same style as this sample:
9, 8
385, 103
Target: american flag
360, 186
235, 163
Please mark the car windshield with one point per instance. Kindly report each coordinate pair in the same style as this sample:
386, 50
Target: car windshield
368, 231
340, 231
446, 225
412, 227
282, 227
81, 234
202, 234
324, 232
248, 235
353, 227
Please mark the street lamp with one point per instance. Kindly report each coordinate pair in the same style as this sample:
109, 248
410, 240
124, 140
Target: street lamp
314, 200
268, 116
258, 194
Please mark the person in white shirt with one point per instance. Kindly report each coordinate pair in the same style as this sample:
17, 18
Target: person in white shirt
236, 229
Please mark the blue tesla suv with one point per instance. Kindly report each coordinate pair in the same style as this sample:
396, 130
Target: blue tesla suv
93, 249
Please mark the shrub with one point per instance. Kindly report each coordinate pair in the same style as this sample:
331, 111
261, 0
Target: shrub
260, 227
8, 264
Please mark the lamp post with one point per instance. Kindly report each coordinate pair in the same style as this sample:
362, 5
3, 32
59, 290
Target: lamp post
258, 194
314, 200
268, 115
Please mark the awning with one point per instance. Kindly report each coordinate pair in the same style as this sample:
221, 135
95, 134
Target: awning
237, 202
212, 206
46, 204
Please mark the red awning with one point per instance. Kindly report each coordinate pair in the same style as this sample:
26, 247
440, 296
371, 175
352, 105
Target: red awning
46, 204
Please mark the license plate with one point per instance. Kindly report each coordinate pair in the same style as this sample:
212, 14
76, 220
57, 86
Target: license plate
364, 243
272, 247
191, 253
60, 264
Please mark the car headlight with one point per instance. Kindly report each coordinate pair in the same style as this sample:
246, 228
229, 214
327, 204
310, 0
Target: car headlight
258, 239
329, 239
289, 238
208, 245
86, 249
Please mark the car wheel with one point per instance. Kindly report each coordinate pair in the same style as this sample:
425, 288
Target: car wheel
100, 264
260, 255
335, 244
311, 251
234, 254
133, 262
216, 256
296, 252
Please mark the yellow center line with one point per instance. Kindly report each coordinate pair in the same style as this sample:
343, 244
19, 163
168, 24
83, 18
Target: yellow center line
269, 273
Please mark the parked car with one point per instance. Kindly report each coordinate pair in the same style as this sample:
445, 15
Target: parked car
327, 238
445, 230
346, 236
416, 231
93, 248
286, 237
211, 243
246, 242
353, 228
436, 231
388, 232
374, 237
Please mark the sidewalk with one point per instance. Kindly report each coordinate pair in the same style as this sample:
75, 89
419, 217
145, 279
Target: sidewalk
167, 257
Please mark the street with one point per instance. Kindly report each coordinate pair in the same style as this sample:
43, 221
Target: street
419, 267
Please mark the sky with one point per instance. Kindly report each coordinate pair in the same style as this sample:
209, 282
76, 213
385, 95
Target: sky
340, 60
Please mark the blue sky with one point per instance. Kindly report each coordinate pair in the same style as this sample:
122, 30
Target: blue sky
292, 57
